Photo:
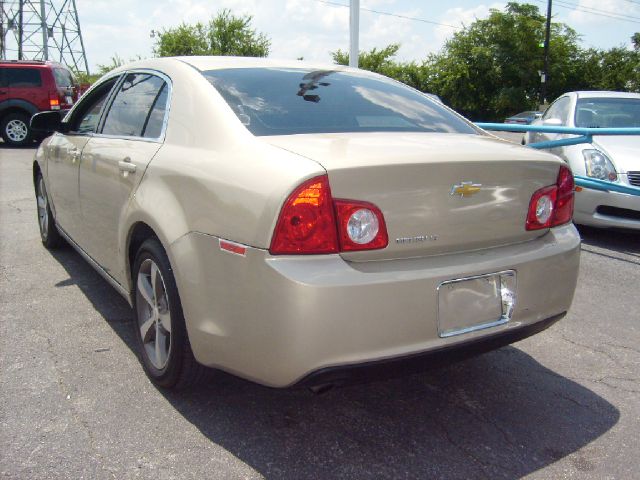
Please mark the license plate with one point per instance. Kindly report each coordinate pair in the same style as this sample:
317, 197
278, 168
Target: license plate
474, 303
69, 100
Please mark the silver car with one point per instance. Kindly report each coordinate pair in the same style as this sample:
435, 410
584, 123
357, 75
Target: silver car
611, 158
295, 223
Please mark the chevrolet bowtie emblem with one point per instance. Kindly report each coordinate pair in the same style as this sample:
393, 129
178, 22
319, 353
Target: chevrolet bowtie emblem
466, 189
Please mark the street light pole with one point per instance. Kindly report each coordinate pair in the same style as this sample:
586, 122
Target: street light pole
354, 26
545, 73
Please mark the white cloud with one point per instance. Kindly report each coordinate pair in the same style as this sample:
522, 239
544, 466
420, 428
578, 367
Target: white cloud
312, 29
593, 12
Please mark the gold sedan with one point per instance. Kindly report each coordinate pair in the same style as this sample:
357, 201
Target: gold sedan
301, 224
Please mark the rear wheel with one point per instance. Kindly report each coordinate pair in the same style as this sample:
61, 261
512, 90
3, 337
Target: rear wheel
160, 328
15, 129
48, 231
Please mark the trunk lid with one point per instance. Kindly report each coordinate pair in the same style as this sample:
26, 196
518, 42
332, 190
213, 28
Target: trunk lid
410, 177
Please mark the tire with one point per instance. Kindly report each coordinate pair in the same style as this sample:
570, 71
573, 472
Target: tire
15, 129
48, 231
160, 330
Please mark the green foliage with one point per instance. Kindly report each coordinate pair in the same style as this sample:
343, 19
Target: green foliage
381, 61
116, 61
490, 69
225, 34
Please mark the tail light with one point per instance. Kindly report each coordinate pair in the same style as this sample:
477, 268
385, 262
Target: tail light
553, 205
360, 226
307, 222
54, 101
312, 222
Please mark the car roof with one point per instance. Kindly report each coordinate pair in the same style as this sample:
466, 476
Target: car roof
31, 63
215, 63
605, 94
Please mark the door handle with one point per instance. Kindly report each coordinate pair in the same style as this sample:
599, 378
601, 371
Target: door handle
126, 166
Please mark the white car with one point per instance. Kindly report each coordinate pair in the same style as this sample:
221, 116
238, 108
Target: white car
610, 158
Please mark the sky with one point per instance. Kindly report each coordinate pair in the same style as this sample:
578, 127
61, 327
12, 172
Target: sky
313, 28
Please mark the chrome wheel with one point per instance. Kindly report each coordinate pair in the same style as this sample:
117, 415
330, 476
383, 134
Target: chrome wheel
43, 208
154, 317
17, 130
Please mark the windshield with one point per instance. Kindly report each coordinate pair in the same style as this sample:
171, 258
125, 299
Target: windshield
608, 112
279, 101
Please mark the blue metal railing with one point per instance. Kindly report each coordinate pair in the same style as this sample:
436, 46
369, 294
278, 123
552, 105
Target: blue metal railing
584, 135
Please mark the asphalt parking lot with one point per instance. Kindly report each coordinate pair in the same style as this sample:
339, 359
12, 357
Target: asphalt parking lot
75, 403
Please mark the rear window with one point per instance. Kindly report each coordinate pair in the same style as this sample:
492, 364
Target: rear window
63, 77
23, 77
279, 101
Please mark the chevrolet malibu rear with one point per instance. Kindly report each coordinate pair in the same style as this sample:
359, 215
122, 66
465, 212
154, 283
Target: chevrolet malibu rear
321, 223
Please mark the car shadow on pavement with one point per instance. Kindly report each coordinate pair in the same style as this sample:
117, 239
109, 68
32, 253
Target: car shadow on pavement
623, 241
625, 244
500, 415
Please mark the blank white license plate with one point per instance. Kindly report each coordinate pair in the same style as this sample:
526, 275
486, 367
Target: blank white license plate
469, 304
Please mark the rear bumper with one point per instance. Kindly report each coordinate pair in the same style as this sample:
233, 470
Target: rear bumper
275, 320
389, 368
621, 210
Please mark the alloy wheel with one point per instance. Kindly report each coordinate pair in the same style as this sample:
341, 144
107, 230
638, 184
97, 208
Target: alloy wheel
154, 317
43, 208
16, 130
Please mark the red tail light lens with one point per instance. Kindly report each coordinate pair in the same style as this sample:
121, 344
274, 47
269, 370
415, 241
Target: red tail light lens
307, 223
553, 205
564, 204
360, 226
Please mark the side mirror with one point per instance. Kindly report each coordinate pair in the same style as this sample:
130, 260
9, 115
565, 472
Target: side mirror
49, 122
552, 122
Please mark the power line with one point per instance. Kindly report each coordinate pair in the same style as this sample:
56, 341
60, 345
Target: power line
598, 11
601, 13
389, 14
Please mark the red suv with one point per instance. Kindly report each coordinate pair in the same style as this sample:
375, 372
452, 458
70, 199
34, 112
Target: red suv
28, 87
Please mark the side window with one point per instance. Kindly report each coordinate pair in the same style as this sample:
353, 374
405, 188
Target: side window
137, 107
24, 77
63, 78
3, 78
87, 114
559, 109
155, 121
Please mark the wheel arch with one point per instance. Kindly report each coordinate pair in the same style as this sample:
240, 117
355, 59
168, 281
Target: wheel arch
138, 233
17, 106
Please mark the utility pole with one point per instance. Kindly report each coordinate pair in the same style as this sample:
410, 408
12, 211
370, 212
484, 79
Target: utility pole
354, 27
544, 76
42, 30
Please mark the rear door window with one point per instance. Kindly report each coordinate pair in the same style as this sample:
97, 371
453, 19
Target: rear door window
137, 107
23, 77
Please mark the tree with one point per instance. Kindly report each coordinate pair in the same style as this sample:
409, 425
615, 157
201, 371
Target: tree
225, 34
381, 61
490, 69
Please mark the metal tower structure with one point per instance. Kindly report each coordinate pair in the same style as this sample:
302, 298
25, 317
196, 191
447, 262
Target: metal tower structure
42, 30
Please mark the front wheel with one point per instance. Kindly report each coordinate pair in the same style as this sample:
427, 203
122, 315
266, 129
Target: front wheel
160, 328
15, 129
